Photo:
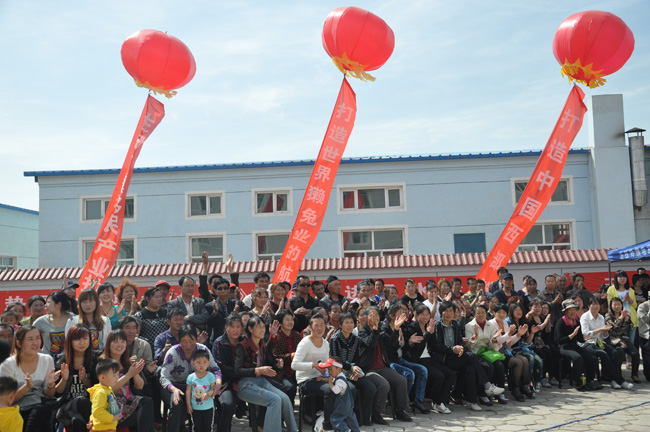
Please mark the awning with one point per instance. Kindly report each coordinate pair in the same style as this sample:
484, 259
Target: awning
638, 252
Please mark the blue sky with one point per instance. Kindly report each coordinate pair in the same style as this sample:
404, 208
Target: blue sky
465, 76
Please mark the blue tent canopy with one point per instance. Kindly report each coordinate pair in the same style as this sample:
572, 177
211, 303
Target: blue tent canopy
639, 252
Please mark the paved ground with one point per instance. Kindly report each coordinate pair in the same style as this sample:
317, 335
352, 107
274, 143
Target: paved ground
607, 409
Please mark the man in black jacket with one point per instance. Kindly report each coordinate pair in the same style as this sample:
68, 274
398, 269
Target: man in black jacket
374, 361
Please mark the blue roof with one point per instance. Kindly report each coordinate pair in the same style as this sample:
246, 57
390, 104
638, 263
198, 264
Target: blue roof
350, 160
7, 206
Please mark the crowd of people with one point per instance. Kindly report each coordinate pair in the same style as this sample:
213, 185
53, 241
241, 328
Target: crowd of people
106, 361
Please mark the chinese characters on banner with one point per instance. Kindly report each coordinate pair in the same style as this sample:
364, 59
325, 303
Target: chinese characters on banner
107, 245
540, 187
314, 203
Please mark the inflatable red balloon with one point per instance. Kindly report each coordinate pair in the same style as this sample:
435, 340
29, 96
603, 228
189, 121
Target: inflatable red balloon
158, 61
592, 44
357, 40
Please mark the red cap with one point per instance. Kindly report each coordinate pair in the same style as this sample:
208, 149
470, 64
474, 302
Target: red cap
330, 362
163, 282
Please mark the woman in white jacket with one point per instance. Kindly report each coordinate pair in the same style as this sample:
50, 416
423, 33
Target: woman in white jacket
482, 333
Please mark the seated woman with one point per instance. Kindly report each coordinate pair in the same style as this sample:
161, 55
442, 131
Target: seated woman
283, 345
136, 410
540, 341
393, 337
176, 367
518, 367
253, 368
76, 366
223, 352
570, 339
595, 330
52, 325
153, 318
90, 315
450, 352
262, 306
106, 293
535, 362
481, 334
127, 296
619, 321
36, 378
373, 389
421, 343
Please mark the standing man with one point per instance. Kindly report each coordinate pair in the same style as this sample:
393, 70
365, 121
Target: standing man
193, 307
379, 289
508, 289
561, 285
334, 296
318, 288
164, 288
220, 308
553, 296
302, 304
498, 284
580, 290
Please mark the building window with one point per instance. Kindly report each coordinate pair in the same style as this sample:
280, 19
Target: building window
549, 236
7, 263
270, 246
469, 243
204, 205
94, 209
272, 202
125, 256
561, 195
213, 245
373, 243
371, 198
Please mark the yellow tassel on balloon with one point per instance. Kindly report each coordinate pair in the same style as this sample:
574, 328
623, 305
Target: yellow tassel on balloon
595, 79
156, 90
352, 68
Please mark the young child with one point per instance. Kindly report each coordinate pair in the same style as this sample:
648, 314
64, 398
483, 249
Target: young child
105, 411
343, 418
10, 419
200, 391
10, 318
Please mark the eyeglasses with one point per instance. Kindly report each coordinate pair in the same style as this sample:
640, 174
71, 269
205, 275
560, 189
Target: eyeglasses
304, 285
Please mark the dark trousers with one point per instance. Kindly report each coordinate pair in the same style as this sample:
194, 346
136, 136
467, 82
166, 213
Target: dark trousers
142, 418
177, 413
582, 360
550, 355
229, 401
79, 408
398, 386
609, 359
313, 387
374, 392
291, 387
440, 380
37, 418
151, 391
473, 376
202, 420
496, 372
645, 352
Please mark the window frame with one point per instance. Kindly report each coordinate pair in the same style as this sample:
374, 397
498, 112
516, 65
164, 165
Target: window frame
567, 178
572, 233
14, 260
472, 233
274, 191
267, 233
340, 189
188, 205
188, 244
403, 228
82, 208
84, 240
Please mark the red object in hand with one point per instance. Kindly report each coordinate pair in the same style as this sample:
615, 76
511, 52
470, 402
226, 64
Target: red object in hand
158, 61
357, 40
592, 44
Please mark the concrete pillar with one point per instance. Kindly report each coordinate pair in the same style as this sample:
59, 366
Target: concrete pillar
611, 179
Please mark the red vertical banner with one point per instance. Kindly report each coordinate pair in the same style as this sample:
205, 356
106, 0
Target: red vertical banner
540, 187
107, 246
314, 203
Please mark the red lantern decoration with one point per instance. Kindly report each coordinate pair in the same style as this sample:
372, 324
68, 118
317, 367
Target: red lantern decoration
158, 61
357, 41
592, 44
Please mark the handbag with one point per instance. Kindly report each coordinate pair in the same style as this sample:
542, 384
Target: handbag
490, 354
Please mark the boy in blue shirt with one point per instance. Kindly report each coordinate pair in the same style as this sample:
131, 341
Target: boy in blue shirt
200, 392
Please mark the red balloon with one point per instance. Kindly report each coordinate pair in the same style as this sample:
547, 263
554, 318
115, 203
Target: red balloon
158, 61
592, 44
357, 40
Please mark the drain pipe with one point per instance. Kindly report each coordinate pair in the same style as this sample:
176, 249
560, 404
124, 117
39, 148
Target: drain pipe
637, 160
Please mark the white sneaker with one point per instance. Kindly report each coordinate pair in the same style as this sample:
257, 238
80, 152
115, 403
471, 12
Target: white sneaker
627, 386
473, 406
442, 409
493, 390
615, 385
